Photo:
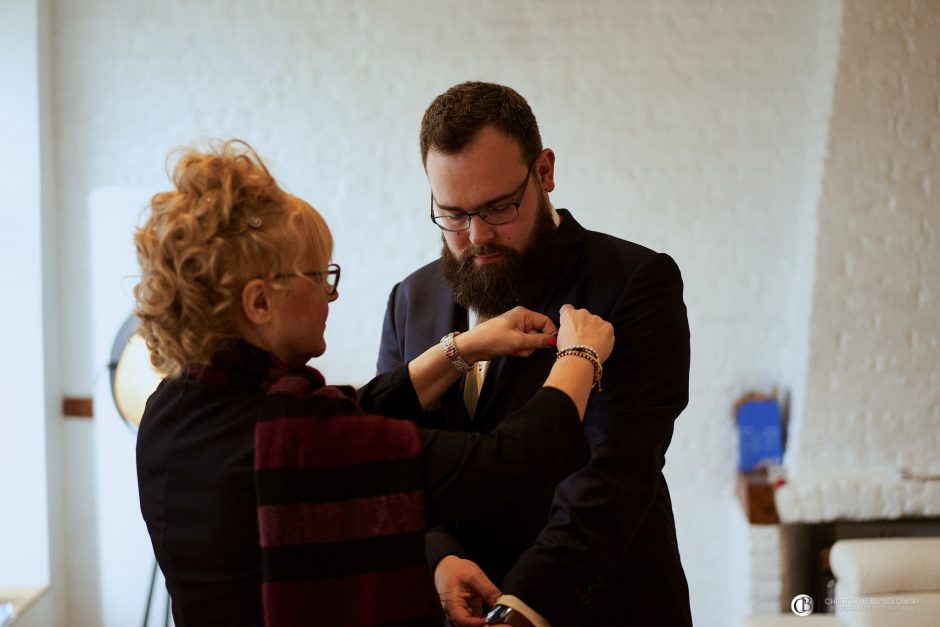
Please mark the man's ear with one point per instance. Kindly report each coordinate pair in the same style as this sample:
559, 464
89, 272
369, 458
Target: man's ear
256, 304
545, 169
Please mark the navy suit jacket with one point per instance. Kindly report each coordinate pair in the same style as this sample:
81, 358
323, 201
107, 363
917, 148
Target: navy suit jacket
597, 544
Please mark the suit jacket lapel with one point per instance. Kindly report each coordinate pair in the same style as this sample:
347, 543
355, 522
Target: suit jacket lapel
505, 371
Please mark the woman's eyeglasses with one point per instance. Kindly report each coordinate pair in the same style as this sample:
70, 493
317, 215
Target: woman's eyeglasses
331, 274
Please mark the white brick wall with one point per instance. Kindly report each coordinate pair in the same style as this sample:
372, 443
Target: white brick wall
869, 404
872, 387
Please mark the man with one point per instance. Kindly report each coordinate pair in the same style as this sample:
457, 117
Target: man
597, 545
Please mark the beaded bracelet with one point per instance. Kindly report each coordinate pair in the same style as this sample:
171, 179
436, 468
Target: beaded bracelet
456, 359
585, 352
583, 347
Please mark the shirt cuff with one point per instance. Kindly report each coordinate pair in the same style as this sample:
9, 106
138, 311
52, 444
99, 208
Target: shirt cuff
520, 606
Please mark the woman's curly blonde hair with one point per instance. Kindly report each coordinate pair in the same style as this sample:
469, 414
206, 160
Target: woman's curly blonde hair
227, 221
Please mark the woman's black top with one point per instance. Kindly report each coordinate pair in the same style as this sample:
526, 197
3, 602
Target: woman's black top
195, 463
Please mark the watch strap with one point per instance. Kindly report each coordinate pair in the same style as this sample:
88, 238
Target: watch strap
504, 615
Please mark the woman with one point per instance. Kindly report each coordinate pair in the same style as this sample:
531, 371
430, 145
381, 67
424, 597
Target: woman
271, 498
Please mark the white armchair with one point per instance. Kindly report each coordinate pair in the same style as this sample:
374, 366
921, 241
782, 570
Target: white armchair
880, 582
887, 582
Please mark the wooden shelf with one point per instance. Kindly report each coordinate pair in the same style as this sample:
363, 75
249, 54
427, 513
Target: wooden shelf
21, 598
756, 494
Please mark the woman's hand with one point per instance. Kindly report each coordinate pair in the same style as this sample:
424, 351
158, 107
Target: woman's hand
574, 375
580, 326
518, 332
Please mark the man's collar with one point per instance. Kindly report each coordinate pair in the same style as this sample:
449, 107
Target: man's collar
569, 232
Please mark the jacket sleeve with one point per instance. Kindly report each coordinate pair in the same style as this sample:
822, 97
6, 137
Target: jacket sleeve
391, 350
597, 510
391, 394
470, 475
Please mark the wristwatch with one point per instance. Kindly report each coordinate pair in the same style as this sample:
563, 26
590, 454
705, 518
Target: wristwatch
504, 615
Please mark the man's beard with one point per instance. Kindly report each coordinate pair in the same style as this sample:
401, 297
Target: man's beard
517, 279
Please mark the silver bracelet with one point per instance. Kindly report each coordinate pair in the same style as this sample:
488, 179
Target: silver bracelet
456, 359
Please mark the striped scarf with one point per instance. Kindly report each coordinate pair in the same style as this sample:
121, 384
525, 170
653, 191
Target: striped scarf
341, 512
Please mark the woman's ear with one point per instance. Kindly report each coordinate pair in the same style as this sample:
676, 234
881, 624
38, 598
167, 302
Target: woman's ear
256, 304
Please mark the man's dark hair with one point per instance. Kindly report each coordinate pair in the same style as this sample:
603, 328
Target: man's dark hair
454, 118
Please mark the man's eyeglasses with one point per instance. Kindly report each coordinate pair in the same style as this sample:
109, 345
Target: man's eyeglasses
459, 220
331, 274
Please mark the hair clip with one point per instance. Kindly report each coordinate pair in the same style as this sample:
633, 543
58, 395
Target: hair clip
254, 221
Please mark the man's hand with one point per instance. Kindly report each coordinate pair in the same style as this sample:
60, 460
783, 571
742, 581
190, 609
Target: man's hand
463, 588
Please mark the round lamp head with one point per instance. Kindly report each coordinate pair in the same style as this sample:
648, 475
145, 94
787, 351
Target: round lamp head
133, 378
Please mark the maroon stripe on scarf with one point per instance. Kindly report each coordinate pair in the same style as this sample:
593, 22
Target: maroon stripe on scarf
322, 523
299, 386
328, 442
394, 596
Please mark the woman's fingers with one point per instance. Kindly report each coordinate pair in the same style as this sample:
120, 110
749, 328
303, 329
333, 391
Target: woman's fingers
580, 326
528, 321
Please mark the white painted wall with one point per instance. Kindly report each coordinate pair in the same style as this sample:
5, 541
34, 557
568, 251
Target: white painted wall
22, 439
30, 438
693, 127
121, 550
24, 555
